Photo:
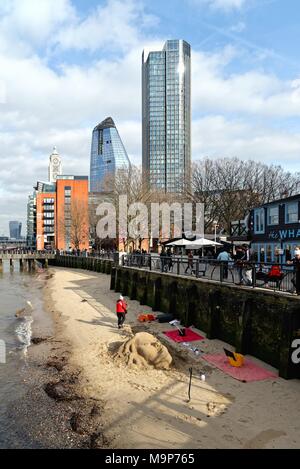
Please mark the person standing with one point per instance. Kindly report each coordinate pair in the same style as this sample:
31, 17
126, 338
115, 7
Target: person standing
239, 258
121, 310
190, 265
296, 262
224, 257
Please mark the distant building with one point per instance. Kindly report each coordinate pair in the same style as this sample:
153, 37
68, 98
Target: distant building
31, 220
45, 216
273, 229
108, 155
61, 217
72, 212
166, 113
15, 228
55, 166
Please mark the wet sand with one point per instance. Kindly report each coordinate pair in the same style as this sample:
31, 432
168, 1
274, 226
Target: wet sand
99, 402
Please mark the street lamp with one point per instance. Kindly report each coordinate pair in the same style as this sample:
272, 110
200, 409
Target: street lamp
216, 226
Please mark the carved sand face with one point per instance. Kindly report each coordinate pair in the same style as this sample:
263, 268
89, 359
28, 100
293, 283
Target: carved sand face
144, 350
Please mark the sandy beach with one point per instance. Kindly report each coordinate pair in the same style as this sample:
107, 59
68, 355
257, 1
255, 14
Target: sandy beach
148, 408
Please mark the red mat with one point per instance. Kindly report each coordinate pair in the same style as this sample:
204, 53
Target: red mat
247, 373
190, 336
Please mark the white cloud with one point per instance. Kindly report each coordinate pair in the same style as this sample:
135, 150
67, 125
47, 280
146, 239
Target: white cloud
27, 23
116, 25
216, 136
252, 92
225, 5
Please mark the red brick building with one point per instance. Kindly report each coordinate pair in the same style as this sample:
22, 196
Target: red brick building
62, 216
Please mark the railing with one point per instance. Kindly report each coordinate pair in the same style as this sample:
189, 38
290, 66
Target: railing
250, 274
96, 255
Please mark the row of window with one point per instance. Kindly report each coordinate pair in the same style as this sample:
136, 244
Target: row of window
291, 216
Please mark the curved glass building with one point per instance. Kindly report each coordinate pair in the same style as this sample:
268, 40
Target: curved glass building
108, 154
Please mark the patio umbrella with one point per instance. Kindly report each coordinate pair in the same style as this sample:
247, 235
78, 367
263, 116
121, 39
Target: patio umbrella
180, 242
202, 242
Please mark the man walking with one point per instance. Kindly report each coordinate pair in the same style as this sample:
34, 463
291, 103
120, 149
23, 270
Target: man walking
121, 310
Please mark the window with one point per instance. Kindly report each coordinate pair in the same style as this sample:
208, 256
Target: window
273, 215
291, 213
259, 221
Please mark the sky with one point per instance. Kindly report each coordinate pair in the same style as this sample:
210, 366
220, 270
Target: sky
65, 65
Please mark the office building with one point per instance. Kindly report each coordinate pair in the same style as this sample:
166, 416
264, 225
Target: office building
108, 155
166, 114
15, 228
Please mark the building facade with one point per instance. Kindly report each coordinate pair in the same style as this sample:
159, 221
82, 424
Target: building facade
55, 166
108, 155
15, 228
44, 215
60, 218
72, 213
31, 221
166, 114
273, 229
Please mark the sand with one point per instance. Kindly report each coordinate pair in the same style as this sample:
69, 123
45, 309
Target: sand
144, 407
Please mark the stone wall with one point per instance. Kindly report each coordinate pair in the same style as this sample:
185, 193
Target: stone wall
259, 323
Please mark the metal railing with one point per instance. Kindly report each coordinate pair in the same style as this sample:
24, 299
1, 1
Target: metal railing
250, 274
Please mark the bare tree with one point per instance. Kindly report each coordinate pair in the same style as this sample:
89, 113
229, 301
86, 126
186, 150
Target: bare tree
230, 188
75, 224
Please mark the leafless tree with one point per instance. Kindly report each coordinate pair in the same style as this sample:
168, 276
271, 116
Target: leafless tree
230, 188
75, 223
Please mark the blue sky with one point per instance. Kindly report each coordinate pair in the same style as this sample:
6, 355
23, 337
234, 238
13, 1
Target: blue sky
65, 65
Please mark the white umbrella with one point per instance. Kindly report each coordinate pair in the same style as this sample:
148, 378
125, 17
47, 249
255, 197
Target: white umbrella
180, 242
202, 242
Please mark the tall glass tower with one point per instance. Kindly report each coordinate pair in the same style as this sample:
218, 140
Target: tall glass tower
166, 113
108, 155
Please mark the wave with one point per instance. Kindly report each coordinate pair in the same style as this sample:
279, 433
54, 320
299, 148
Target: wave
24, 333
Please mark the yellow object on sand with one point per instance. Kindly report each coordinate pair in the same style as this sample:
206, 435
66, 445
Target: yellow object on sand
239, 360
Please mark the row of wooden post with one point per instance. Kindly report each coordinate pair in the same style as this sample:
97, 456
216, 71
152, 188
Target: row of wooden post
28, 265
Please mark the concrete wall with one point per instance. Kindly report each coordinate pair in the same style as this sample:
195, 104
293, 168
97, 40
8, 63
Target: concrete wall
261, 324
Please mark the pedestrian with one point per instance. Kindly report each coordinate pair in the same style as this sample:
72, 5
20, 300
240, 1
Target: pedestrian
224, 257
163, 260
296, 262
170, 261
239, 257
121, 310
190, 265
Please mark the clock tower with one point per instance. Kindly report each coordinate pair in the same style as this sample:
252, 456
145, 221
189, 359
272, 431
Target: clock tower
55, 166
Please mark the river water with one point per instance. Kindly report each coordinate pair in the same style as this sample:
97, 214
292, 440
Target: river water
18, 291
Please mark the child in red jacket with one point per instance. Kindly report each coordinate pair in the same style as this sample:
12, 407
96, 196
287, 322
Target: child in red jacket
121, 310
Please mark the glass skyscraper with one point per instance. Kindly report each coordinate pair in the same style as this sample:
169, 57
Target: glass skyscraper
15, 228
108, 155
166, 112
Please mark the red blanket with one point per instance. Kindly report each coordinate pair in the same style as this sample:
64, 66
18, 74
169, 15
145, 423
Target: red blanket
247, 373
190, 336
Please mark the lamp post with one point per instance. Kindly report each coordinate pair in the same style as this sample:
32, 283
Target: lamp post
216, 226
